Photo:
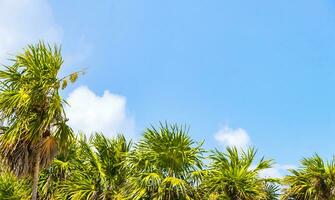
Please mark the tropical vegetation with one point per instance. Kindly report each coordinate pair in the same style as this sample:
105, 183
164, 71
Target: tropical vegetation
42, 158
231, 175
315, 179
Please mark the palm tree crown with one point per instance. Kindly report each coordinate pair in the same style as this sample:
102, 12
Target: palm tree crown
314, 180
34, 122
163, 165
99, 171
231, 175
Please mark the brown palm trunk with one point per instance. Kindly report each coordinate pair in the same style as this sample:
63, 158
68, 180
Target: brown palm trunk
36, 174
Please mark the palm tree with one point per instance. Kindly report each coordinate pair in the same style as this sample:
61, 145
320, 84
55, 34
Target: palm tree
231, 175
97, 172
164, 165
31, 110
314, 180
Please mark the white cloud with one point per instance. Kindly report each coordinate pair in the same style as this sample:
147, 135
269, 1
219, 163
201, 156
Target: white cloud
23, 22
277, 171
89, 112
233, 137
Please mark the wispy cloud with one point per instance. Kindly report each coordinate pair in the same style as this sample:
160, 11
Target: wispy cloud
237, 137
25, 21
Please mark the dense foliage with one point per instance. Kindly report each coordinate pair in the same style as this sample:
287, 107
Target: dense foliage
165, 164
314, 180
41, 158
232, 176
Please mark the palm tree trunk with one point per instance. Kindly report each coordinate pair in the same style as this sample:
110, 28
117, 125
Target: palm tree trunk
36, 174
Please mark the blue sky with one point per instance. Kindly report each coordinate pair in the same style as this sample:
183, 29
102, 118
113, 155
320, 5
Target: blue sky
263, 68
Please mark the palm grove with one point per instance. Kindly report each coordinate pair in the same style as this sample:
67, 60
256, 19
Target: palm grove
41, 157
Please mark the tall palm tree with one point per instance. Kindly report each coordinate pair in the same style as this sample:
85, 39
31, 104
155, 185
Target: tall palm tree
97, 172
314, 180
232, 176
164, 165
31, 110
